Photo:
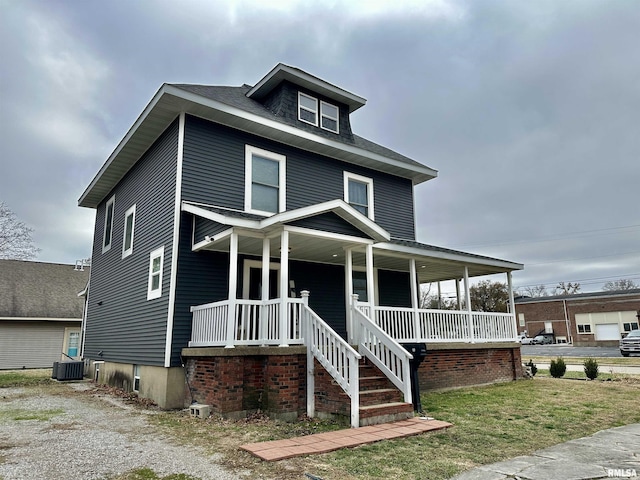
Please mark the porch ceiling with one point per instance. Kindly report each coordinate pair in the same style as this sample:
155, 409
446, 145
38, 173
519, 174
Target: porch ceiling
310, 247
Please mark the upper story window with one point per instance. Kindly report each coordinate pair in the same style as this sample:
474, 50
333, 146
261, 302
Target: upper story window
156, 261
108, 224
265, 178
358, 192
329, 117
127, 240
307, 109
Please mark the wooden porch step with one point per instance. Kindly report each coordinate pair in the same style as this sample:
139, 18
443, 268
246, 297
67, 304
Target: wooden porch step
385, 412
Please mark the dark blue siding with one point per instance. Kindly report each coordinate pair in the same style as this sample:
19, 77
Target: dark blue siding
327, 297
329, 222
213, 173
121, 322
204, 227
394, 288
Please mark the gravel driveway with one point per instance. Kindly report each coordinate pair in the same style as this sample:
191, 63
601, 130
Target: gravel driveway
82, 437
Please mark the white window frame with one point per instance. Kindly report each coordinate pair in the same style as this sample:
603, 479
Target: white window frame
584, 332
348, 176
110, 203
282, 177
302, 107
337, 117
151, 292
136, 378
521, 319
131, 212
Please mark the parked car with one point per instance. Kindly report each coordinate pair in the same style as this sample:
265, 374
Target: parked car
630, 343
541, 340
526, 340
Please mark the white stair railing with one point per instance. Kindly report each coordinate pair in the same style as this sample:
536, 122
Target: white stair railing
383, 351
335, 355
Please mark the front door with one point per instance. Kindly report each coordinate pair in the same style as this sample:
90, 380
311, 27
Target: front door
252, 280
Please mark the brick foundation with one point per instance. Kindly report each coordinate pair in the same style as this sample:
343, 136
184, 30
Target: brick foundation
237, 381
246, 379
466, 365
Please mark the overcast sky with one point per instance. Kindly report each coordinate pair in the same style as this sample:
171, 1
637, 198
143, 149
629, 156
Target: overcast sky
530, 111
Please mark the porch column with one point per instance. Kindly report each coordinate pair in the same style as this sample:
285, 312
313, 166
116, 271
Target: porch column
233, 287
348, 281
468, 300
370, 283
458, 294
512, 306
284, 288
413, 278
308, 339
439, 296
264, 313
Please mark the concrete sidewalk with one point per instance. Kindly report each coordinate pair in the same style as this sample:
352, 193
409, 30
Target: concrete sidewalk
612, 453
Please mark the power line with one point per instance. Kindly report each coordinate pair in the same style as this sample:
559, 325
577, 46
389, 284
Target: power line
550, 238
583, 258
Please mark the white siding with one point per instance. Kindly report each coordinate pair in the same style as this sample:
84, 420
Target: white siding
31, 344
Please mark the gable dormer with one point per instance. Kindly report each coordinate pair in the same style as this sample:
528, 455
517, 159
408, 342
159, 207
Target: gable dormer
308, 102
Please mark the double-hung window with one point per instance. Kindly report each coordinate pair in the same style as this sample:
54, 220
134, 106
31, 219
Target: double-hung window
307, 109
329, 117
358, 192
108, 224
265, 177
129, 223
156, 261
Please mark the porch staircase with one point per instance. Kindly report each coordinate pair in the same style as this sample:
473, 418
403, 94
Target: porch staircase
380, 400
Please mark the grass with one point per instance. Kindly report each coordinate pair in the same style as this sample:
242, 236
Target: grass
18, 414
148, 474
622, 361
491, 424
25, 378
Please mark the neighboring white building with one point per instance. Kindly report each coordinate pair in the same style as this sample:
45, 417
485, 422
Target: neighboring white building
40, 313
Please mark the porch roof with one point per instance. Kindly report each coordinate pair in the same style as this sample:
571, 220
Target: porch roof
434, 263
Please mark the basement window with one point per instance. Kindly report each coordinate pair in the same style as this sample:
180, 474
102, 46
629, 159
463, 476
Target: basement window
136, 378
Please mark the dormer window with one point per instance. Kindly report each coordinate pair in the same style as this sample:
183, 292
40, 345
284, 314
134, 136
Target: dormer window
329, 117
307, 109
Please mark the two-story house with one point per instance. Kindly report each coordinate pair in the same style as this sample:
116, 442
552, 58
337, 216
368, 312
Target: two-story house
247, 238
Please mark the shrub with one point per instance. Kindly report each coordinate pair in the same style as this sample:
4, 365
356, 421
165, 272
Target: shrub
557, 368
532, 367
591, 368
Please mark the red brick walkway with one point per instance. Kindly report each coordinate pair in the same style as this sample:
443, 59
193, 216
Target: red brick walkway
329, 441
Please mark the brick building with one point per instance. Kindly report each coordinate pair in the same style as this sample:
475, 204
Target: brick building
584, 319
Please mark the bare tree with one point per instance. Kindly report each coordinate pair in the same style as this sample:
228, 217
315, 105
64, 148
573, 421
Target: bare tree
488, 296
622, 284
15, 237
567, 288
536, 291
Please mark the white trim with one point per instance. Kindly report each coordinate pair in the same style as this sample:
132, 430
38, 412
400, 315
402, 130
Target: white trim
132, 212
336, 119
248, 180
341, 237
339, 207
249, 263
40, 319
216, 238
459, 257
376, 292
284, 72
175, 241
112, 202
155, 293
370, 195
233, 116
307, 109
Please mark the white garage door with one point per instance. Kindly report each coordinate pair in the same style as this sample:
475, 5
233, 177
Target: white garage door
608, 331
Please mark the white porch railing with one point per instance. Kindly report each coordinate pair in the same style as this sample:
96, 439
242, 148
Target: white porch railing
335, 355
431, 326
254, 323
383, 350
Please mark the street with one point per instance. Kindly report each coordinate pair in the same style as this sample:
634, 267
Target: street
570, 351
